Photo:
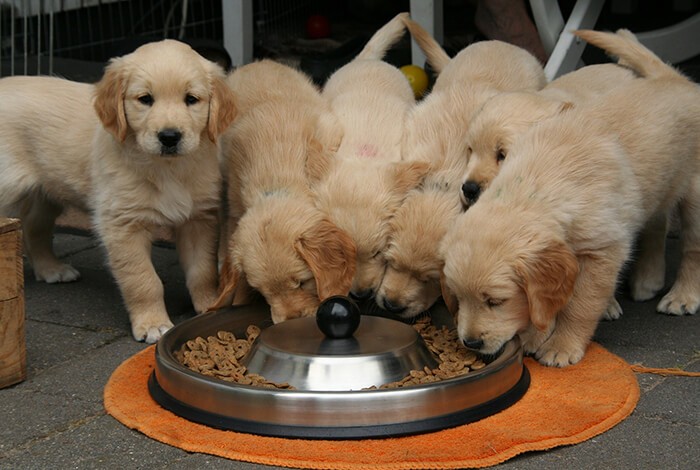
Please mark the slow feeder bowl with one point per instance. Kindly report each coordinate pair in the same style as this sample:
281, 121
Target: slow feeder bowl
330, 370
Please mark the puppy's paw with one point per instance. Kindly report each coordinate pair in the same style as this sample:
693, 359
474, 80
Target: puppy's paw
551, 355
532, 339
54, 273
644, 289
150, 332
680, 301
613, 311
559, 353
203, 299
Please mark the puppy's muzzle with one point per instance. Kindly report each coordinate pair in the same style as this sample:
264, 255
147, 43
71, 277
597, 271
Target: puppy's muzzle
476, 345
169, 141
470, 192
392, 307
362, 294
473, 344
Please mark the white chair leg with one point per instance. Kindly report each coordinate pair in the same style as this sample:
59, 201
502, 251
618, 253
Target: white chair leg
427, 13
238, 30
567, 52
549, 22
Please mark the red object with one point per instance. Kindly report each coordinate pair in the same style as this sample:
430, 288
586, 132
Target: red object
318, 27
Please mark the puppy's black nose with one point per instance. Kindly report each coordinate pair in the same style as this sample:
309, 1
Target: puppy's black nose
390, 306
169, 138
471, 191
362, 294
475, 344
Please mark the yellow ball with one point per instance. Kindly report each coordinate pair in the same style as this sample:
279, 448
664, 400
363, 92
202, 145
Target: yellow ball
417, 78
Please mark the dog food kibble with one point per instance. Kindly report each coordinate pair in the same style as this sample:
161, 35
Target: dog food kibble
453, 358
218, 356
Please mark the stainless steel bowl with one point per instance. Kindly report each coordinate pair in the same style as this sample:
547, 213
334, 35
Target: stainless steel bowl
321, 411
381, 351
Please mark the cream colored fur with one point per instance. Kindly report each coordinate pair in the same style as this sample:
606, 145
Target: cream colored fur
505, 116
436, 128
366, 181
278, 240
57, 149
539, 254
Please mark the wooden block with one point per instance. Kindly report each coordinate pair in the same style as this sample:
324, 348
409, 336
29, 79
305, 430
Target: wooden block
10, 259
13, 353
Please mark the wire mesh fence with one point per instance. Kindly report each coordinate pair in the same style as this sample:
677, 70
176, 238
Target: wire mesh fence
36, 33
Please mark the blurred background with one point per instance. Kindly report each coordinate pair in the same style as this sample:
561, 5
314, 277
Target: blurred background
75, 38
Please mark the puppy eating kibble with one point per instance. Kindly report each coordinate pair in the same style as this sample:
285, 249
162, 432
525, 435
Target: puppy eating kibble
366, 180
436, 128
278, 241
138, 150
505, 116
540, 252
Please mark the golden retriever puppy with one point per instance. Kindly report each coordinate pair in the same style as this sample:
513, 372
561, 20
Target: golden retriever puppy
648, 272
138, 150
365, 182
505, 116
436, 128
539, 253
279, 241
411, 281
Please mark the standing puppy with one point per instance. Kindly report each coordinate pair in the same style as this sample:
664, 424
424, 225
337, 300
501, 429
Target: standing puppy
366, 180
278, 241
505, 116
436, 127
540, 252
138, 150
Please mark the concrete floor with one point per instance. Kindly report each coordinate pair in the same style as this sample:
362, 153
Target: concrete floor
78, 333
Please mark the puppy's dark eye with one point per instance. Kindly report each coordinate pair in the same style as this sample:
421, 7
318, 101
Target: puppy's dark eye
469, 151
500, 155
493, 302
146, 99
191, 99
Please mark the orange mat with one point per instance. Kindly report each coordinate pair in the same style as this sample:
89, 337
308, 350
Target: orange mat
562, 407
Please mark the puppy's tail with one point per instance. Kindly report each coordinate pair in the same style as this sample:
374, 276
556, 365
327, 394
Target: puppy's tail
384, 38
436, 55
630, 53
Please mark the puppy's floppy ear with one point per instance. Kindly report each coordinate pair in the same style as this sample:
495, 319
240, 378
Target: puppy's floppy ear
409, 174
323, 144
222, 107
109, 97
320, 148
448, 297
548, 276
329, 130
331, 255
228, 281
318, 160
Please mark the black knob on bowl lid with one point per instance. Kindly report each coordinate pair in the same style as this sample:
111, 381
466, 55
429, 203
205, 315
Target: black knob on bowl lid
338, 317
